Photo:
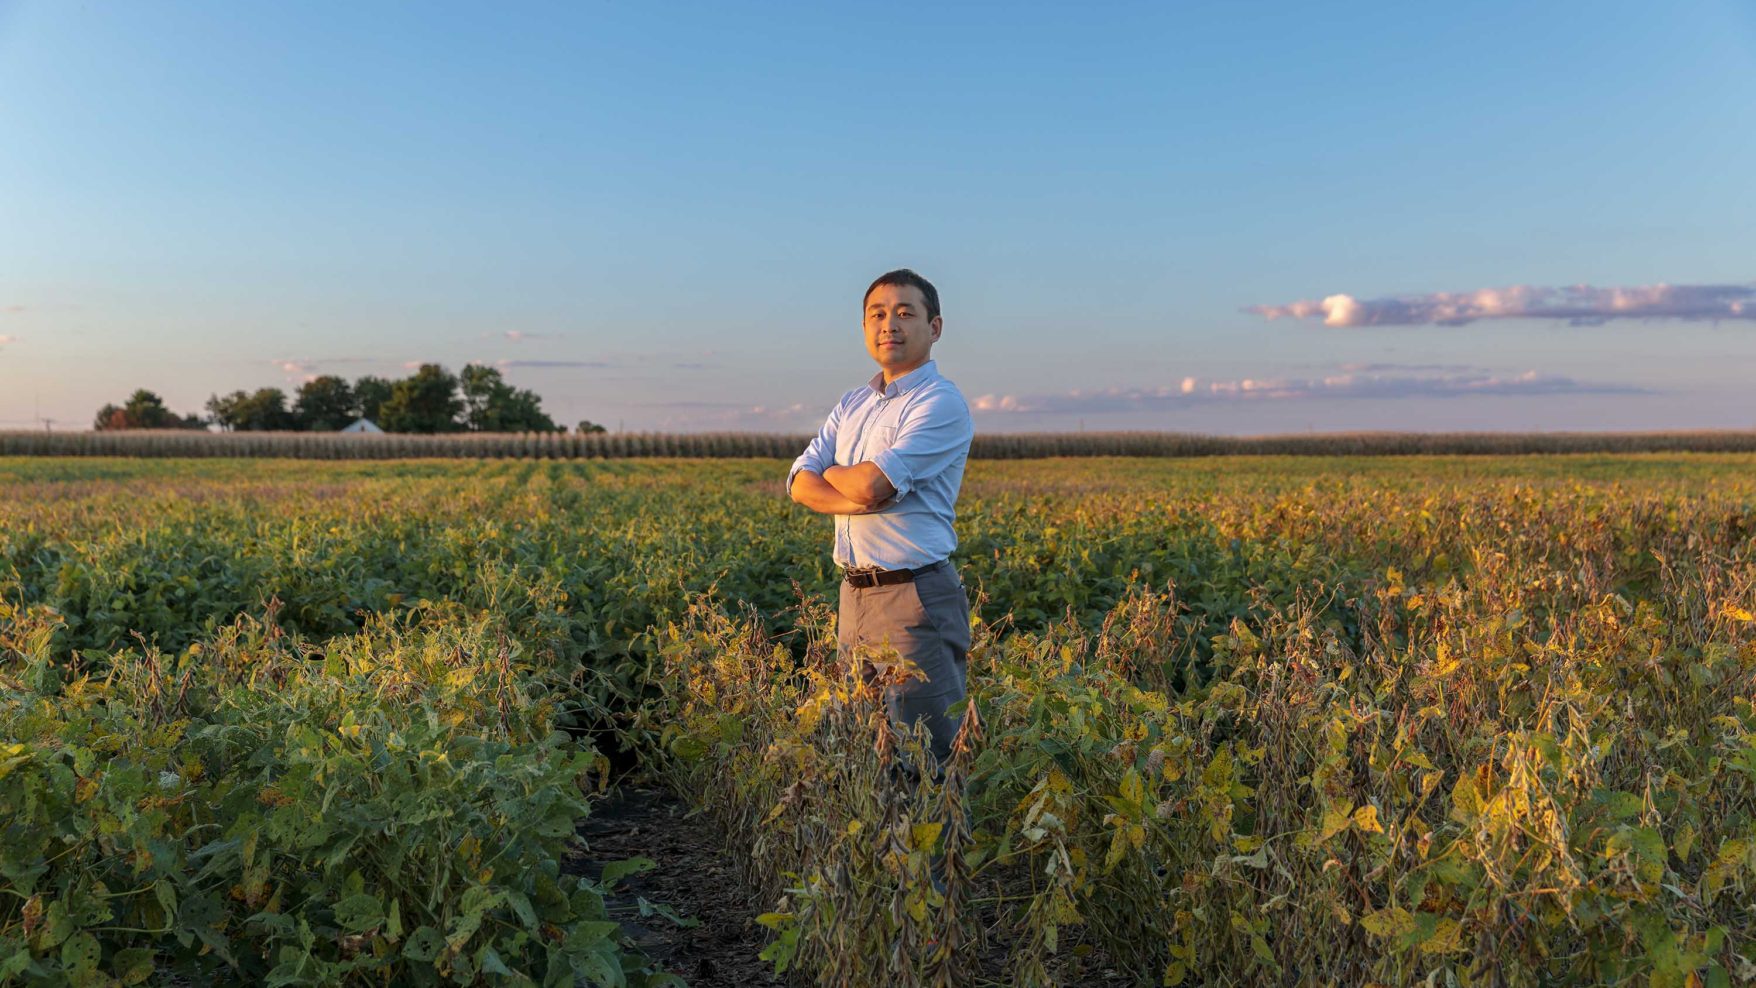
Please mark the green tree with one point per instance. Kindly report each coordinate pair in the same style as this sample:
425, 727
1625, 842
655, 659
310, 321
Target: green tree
521, 410
492, 405
478, 384
370, 394
225, 411
144, 410
264, 411
325, 404
587, 426
424, 402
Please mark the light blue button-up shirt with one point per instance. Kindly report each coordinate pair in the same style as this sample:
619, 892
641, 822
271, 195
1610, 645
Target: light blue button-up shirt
917, 431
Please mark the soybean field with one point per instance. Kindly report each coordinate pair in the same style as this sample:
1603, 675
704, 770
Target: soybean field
1235, 720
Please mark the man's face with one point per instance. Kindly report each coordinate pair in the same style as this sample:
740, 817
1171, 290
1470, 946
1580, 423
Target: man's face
898, 333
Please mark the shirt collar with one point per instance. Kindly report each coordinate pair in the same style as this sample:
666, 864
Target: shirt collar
902, 385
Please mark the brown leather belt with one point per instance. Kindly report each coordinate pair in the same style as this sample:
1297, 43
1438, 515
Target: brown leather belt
875, 577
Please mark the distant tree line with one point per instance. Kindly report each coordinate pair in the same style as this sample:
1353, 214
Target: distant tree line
431, 400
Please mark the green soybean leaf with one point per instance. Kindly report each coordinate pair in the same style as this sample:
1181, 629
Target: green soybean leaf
57, 925
18, 963
359, 913
80, 954
522, 909
488, 961
601, 966
132, 966
615, 871
423, 945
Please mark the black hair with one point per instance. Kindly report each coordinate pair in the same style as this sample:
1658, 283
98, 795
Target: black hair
903, 276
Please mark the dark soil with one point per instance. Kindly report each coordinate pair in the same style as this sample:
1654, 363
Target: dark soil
694, 877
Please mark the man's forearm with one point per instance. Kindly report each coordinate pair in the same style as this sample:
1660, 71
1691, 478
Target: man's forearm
862, 483
812, 491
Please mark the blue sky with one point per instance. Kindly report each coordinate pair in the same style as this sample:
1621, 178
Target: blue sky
662, 215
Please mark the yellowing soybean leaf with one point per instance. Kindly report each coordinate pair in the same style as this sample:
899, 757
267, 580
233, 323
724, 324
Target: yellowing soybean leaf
1386, 923
1059, 783
1366, 819
1335, 820
1447, 937
1118, 848
1466, 800
1133, 791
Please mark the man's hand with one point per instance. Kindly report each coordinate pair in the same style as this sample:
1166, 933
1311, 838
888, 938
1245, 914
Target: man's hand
816, 493
863, 483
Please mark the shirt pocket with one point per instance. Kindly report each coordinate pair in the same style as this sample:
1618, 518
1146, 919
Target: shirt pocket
883, 437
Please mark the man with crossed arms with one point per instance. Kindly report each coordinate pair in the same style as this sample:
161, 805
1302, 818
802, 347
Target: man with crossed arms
888, 464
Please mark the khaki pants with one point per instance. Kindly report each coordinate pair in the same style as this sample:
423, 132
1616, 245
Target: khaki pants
927, 622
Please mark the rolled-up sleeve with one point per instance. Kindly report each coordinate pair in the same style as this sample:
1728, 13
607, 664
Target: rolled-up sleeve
819, 454
934, 435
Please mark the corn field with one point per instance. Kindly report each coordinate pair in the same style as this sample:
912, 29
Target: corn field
617, 445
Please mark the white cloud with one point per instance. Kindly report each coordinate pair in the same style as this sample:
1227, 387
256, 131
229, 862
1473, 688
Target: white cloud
552, 363
728, 416
1192, 391
1582, 305
314, 366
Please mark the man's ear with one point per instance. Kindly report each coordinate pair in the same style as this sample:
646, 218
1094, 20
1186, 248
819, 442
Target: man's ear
938, 325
